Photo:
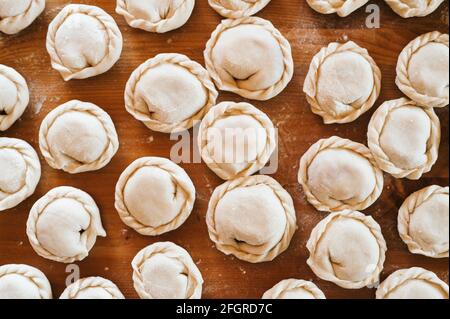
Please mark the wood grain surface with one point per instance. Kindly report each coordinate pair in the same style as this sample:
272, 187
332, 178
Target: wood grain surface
225, 277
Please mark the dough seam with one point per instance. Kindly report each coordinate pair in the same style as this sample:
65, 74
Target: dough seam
326, 7
405, 11
36, 276
235, 14
74, 289
15, 24
291, 284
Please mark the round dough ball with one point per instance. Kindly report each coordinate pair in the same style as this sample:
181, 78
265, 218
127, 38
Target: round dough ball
156, 15
249, 57
64, 224
338, 174
348, 249
92, 288
23, 282
294, 289
414, 8
154, 196
78, 137
343, 8
166, 271
234, 9
16, 15
252, 218
83, 41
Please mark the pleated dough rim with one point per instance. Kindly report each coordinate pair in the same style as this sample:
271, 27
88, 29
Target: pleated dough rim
178, 176
235, 14
336, 142
325, 7
74, 289
220, 111
173, 251
36, 276
405, 11
285, 200
290, 284
322, 227
408, 208
402, 80
310, 85
376, 126
260, 95
13, 25
88, 237
179, 60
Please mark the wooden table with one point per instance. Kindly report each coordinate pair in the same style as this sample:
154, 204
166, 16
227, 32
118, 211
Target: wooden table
225, 277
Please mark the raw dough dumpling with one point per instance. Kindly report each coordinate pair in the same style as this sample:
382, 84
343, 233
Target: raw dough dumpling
156, 15
423, 222
414, 8
234, 9
294, 289
252, 218
78, 137
343, 82
339, 174
14, 96
16, 15
249, 57
170, 93
20, 172
423, 70
83, 41
92, 288
166, 271
348, 249
404, 138
342, 7
236, 140
413, 283
154, 196
64, 224
23, 282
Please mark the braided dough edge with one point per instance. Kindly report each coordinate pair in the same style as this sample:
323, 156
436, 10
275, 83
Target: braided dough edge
290, 284
33, 274
239, 12
325, 7
74, 289
13, 25
405, 11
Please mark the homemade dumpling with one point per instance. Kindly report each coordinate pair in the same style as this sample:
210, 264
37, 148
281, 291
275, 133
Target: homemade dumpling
236, 140
78, 137
16, 15
83, 41
169, 93
23, 282
404, 138
423, 222
342, 7
156, 15
20, 172
414, 8
338, 174
92, 288
166, 271
252, 218
294, 289
64, 224
249, 57
237, 8
154, 196
423, 70
343, 83
413, 283
348, 249
14, 96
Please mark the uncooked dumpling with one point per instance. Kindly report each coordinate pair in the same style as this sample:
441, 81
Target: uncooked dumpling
343, 83
83, 41
338, 174
413, 283
169, 93
294, 289
404, 138
348, 249
249, 57
423, 70
342, 7
154, 196
414, 8
92, 288
423, 222
20, 172
156, 15
16, 15
23, 282
78, 137
64, 224
166, 271
252, 218
14, 96
236, 140
234, 9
